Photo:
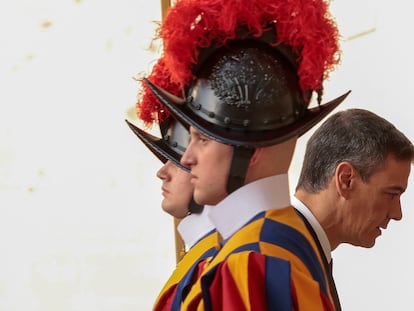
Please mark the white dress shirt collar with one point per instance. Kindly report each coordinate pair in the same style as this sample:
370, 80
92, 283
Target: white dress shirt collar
195, 226
320, 233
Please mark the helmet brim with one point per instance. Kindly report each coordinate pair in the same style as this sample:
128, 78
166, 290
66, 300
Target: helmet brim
187, 117
157, 146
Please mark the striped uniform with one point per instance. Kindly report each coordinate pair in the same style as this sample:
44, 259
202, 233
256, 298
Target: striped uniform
271, 263
186, 273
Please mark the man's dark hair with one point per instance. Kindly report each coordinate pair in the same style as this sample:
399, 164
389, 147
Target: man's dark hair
357, 136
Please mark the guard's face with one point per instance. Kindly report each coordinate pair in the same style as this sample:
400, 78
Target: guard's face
374, 203
209, 161
176, 189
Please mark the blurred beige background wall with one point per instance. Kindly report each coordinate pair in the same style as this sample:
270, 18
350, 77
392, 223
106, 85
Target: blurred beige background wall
80, 221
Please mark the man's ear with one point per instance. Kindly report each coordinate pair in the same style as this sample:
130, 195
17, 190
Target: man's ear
344, 178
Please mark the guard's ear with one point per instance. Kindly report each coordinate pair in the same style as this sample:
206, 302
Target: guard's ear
345, 175
257, 154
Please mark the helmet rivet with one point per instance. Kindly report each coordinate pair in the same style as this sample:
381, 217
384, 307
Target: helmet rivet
175, 144
211, 114
197, 107
227, 120
189, 99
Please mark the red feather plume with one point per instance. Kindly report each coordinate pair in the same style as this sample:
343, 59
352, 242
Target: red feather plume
305, 25
149, 108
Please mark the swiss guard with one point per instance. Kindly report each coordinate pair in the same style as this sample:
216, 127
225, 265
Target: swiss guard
248, 71
196, 230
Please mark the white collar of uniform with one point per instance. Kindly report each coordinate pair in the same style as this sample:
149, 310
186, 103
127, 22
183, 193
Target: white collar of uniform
320, 233
195, 226
239, 207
